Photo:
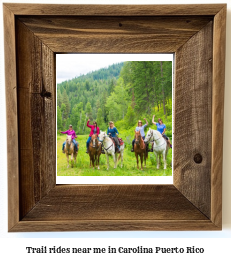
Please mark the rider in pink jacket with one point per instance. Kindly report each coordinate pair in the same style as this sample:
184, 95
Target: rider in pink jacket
94, 130
73, 136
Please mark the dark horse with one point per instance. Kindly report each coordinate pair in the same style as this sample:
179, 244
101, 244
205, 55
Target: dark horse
94, 151
140, 150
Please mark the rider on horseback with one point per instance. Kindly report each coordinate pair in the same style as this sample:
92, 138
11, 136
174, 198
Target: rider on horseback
113, 132
161, 128
73, 136
94, 130
140, 128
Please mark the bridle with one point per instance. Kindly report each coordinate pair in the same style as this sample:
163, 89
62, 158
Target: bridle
95, 146
69, 145
109, 146
139, 142
155, 140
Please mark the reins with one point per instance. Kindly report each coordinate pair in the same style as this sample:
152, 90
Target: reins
69, 147
94, 147
157, 139
143, 143
109, 146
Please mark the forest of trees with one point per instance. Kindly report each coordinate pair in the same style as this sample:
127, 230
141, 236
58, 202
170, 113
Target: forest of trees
122, 93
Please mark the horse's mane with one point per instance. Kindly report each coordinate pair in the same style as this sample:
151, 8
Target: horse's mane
106, 136
158, 133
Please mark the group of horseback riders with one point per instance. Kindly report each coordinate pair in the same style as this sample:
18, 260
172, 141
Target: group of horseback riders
161, 127
113, 133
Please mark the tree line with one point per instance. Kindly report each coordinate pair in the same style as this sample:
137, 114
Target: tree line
121, 93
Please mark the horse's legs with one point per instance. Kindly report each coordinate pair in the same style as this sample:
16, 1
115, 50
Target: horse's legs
75, 155
107, 161
72, 159
141, 159
137, 160
93, 161
90, 160
121, 156
67, 160
157, 161
98, 155
145, 156
114, 155
164, 159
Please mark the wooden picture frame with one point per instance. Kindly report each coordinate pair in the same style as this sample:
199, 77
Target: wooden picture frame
33, 34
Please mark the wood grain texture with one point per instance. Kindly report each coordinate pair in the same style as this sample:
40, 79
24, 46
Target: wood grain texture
11, 117
114, 207
114, 225
115, 34
115, 10
35, 66
194, 201
113, 202
218, 114
193, 114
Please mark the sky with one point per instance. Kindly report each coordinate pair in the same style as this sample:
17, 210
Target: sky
69, 66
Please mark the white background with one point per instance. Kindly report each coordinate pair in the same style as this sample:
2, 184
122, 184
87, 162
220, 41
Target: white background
216, 244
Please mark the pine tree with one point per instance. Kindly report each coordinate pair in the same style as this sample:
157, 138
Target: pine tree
89, 111
59, 98
130, 117
63, 110
111, 86
67, 104
163, 91
59, 119
99, 119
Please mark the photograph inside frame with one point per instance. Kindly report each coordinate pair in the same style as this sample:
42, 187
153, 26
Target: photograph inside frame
114, 117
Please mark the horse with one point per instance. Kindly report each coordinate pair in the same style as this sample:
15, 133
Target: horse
94, 151
160, 146
109, 149
140, 150
69, 149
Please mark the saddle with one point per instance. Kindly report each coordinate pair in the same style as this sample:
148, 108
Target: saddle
75, 149
121, 141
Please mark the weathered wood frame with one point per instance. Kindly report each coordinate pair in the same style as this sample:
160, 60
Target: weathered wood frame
33, 34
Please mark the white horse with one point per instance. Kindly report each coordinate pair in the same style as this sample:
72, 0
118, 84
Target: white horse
160, 146
109, 148
70, 150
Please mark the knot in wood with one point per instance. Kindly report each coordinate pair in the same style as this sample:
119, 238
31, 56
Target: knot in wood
198, 158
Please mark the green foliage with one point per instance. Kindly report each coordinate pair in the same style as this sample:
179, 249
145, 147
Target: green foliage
99, 120
89, 111
59, 119
81, 168
123, 93
130, 117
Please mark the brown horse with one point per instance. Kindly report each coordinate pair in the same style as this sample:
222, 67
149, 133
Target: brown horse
69, 149
94, 151
140, 150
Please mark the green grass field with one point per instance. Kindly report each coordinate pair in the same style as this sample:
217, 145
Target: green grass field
81, 168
